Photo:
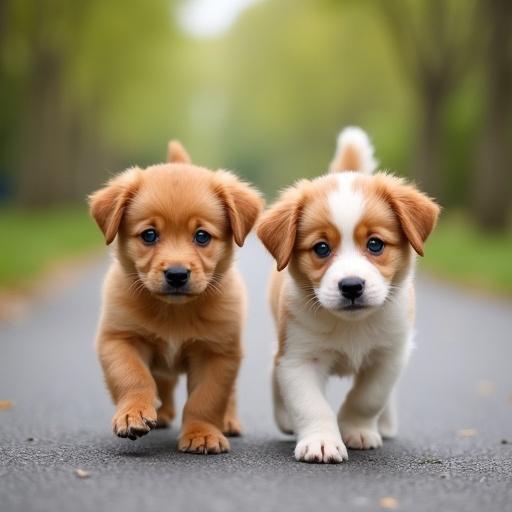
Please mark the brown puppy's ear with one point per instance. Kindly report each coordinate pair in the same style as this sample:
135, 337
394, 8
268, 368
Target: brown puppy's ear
277, 228
243, 204
177, 154
107, 205
416, 211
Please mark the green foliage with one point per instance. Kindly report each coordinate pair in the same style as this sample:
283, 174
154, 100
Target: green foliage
304, 70
91, 86
459, 251
33, 241
266, 99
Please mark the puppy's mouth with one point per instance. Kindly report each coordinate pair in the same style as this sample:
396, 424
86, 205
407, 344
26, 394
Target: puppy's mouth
176, 293
353, 307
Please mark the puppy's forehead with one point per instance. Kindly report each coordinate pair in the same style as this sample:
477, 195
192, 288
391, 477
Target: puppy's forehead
315, 211
346, 201
176, 193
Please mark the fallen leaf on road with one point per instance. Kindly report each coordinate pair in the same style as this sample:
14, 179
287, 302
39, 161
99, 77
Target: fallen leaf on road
486, 387
388, 502
509, 400
5, 404
81, 473
467, 432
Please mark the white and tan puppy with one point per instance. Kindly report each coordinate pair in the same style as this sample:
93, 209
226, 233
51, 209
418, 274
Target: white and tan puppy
343, 299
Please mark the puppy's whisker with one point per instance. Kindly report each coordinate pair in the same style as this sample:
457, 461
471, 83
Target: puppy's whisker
136, 286
312, 303
214, 286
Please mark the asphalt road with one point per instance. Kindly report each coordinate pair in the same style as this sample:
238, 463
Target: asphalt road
453, 452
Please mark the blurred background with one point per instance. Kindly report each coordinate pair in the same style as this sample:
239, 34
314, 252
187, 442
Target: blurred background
262, 87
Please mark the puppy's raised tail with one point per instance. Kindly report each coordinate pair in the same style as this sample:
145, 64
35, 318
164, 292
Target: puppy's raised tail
354, 152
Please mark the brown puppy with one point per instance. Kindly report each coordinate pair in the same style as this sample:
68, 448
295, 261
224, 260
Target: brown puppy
172, 300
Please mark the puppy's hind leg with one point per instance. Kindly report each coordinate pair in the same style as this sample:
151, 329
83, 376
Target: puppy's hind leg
388, 422
281, 415
232, 426
167, 411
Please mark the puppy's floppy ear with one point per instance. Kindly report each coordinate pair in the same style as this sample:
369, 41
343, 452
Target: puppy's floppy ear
416, 212
243, 204
277, 228
177, 154
107, 205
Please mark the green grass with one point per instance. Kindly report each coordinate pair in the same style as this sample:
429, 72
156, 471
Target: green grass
34, 241
457, 250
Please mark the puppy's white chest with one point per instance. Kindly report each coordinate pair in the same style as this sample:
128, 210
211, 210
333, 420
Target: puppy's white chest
348, 348
345, 346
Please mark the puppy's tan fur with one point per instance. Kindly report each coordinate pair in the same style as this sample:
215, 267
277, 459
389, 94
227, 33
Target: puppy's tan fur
147, 337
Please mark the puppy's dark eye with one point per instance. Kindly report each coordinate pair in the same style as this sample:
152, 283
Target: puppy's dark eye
322, 249
375, 245
149, 236
202, 238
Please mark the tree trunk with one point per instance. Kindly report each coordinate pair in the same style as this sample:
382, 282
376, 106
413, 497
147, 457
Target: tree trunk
493, 178
429, 151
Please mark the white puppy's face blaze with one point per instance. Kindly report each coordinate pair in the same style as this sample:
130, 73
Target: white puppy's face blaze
352, 284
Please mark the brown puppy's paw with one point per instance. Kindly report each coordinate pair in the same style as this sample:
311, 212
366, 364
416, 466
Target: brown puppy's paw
164, 418
134, 421
202, 438
232, 427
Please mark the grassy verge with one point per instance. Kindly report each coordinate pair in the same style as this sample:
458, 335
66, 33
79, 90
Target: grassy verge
33, 241
459, 251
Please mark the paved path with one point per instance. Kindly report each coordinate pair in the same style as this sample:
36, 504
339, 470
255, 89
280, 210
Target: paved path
460, 377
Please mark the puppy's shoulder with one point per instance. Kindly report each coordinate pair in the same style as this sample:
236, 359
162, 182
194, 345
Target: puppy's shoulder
114, 285
121, 303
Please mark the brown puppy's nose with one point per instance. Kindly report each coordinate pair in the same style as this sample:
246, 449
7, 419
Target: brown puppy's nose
351, 287
176, 276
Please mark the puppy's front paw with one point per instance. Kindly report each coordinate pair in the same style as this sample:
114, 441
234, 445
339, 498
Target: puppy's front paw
361, 438
134, 421
202, 438
322, 449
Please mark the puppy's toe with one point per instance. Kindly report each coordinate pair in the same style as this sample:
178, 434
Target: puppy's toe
359, 438
203, 439
134, 421
318, 448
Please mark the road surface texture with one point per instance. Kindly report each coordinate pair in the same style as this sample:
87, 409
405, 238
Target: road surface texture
453, 452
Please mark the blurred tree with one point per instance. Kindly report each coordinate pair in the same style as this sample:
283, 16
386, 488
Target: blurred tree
493, 175
90, 86
273, 94
75, 72
433, 39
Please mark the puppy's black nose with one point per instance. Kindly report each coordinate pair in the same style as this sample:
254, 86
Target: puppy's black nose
351, 287
176, 276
